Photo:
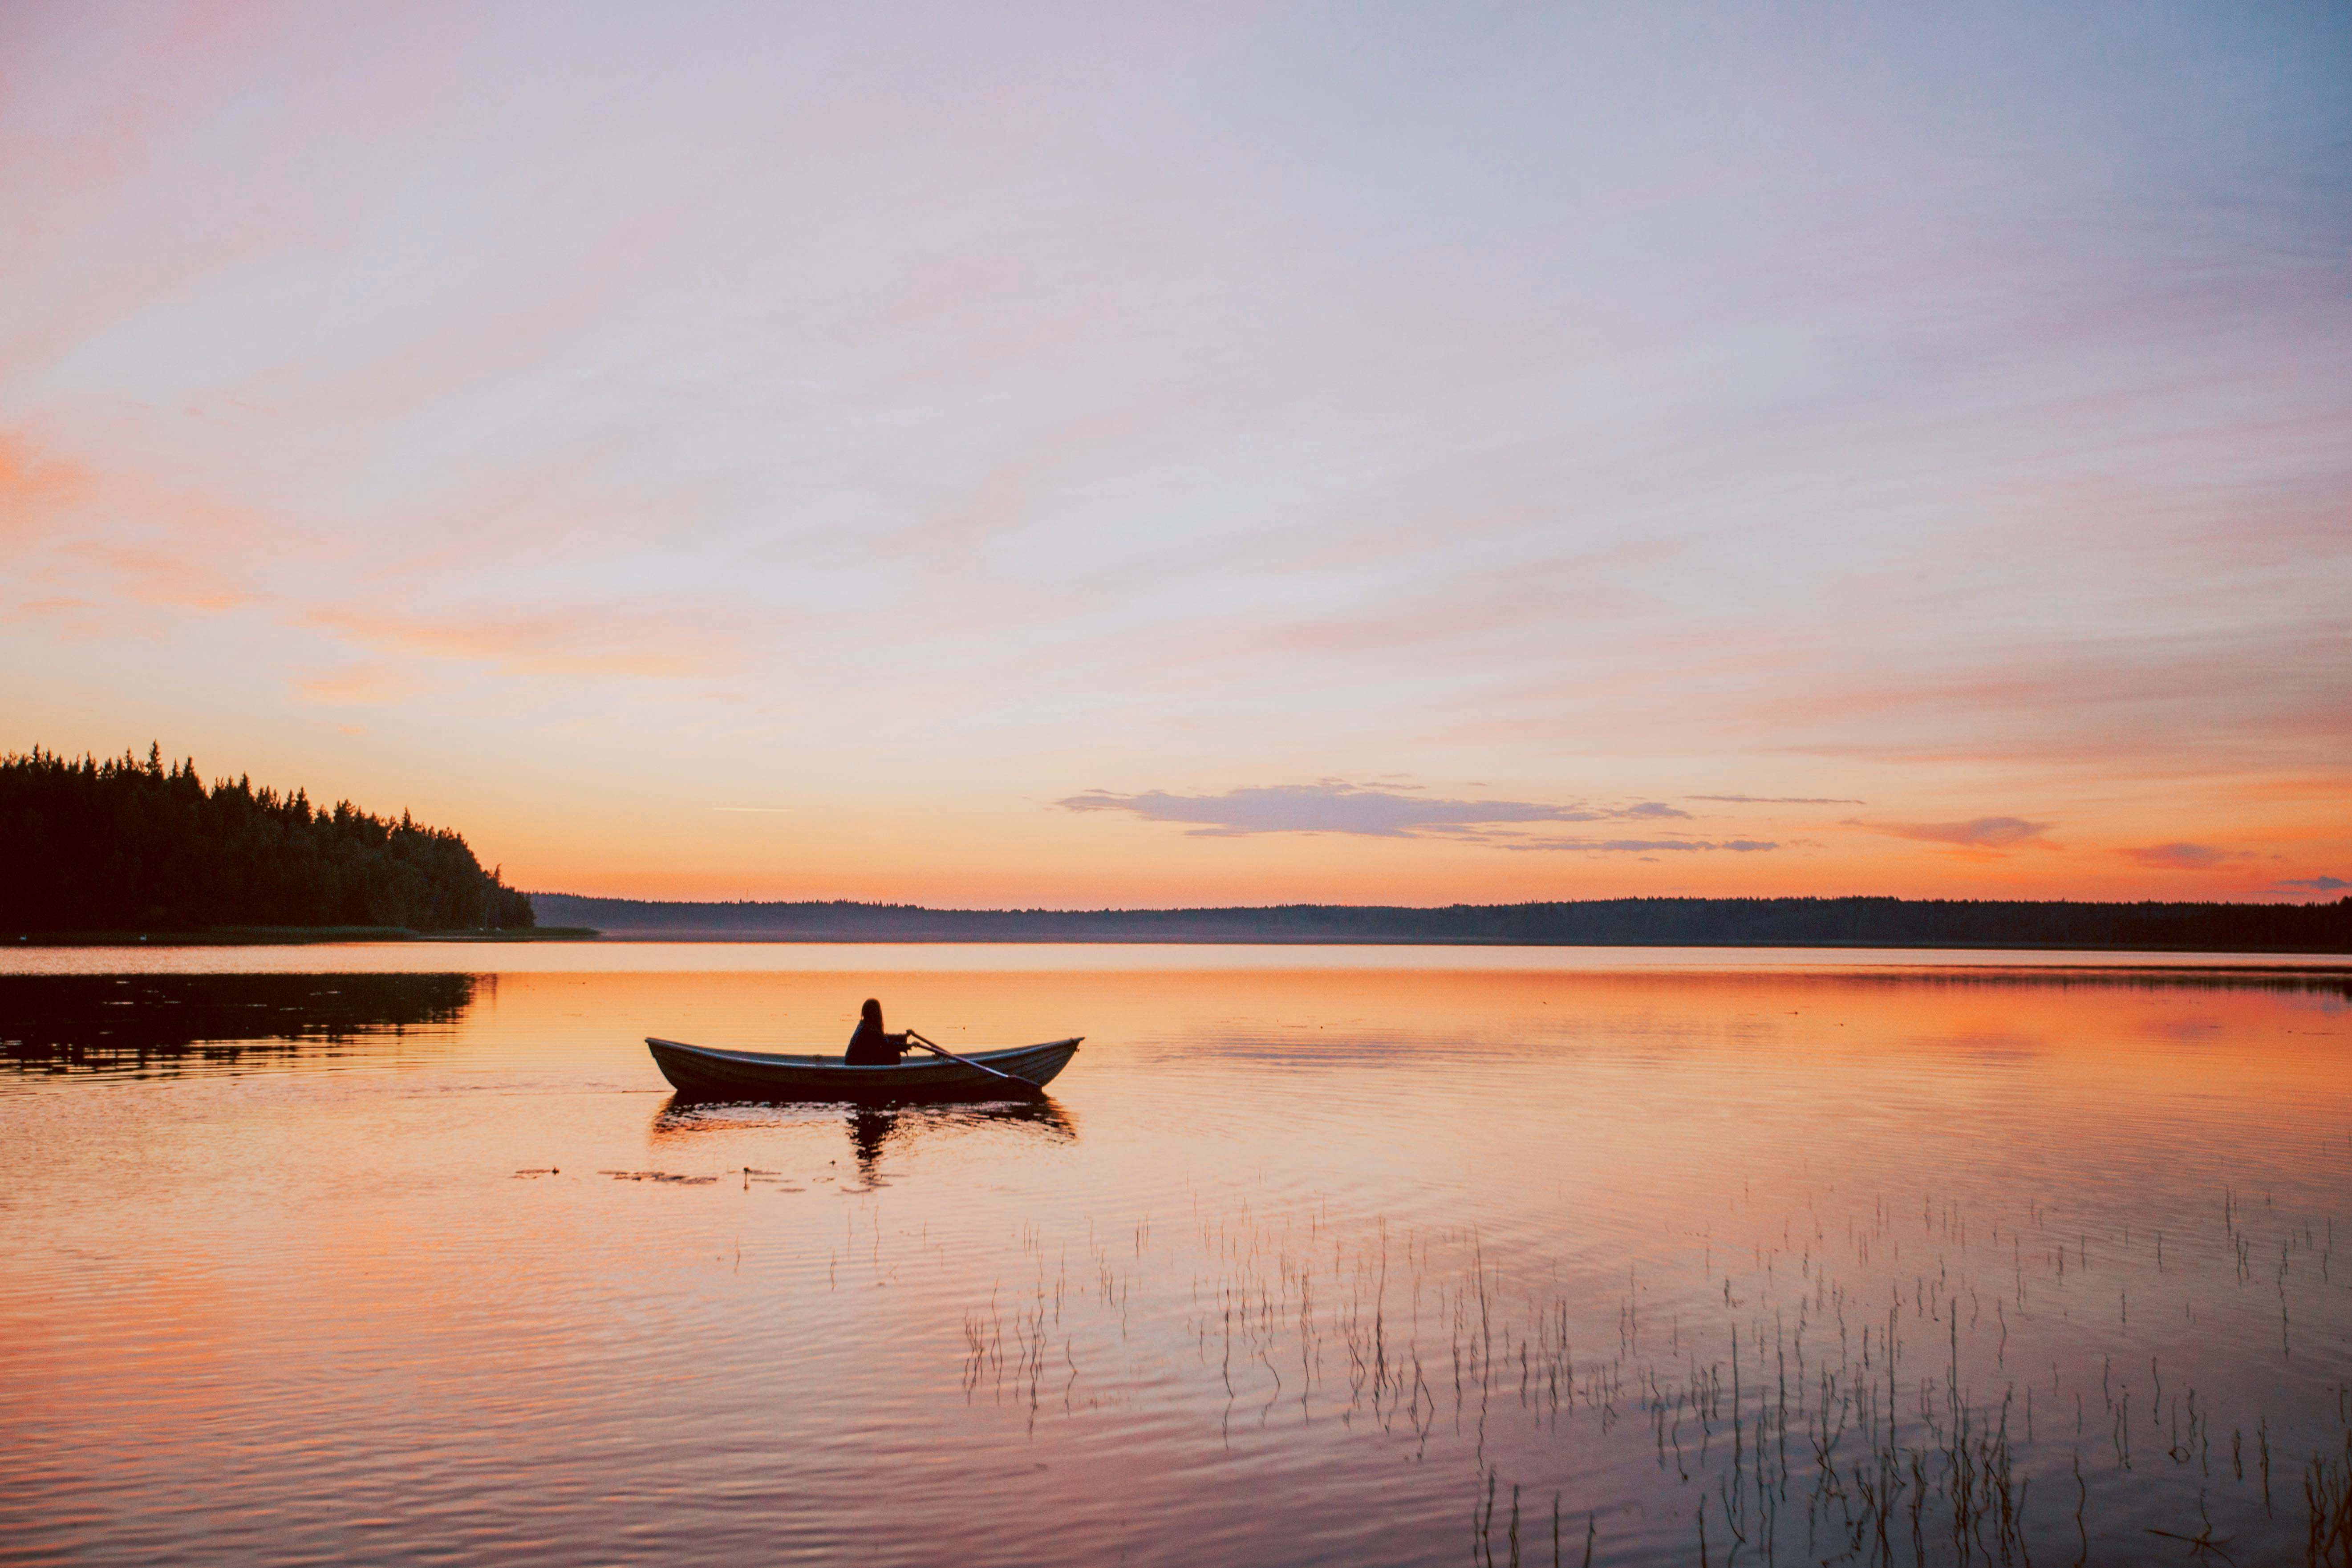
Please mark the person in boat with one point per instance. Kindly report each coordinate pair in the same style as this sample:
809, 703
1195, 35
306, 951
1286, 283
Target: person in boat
869, 1046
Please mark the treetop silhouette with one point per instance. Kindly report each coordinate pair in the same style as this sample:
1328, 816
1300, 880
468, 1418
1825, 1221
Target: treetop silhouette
123, 845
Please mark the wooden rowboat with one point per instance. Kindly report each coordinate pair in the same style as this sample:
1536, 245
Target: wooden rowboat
706, 1073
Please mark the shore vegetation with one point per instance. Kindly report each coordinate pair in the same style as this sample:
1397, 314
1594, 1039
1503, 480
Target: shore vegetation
2285, 928
124, 844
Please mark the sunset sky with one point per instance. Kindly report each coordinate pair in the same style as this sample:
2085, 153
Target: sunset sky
1133, 454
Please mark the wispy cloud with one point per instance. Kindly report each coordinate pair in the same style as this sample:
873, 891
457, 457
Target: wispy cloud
174, 575
34, 486
1336, 807
592, 639
2313, 885
1993, 833
360, 684
967, 491
2182, 857
1648, 846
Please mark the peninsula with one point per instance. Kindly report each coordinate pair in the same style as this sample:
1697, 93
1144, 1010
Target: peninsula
124, 846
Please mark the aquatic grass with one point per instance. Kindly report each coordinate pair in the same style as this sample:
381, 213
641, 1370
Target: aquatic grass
1870, 1389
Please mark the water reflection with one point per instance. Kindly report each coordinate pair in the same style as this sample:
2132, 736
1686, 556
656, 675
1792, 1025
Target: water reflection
874, 1130
159, 1025
1350, 1267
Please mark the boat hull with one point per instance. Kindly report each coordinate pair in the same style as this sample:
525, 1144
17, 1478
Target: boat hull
703, 1073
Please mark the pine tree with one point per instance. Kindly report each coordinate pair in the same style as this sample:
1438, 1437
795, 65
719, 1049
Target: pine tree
126, 845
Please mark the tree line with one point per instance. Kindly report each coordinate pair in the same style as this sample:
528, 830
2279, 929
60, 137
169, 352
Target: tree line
126, 845
1601, 922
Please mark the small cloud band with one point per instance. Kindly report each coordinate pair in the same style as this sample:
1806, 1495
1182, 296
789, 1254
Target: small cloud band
1988, 833
1648, 846
2182, 857
1336, 807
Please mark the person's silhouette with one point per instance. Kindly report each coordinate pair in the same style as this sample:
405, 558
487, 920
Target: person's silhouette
869, 1046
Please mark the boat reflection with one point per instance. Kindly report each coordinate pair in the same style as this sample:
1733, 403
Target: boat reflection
873, 1129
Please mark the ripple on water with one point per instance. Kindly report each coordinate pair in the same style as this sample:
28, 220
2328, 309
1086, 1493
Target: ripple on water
1298, 1264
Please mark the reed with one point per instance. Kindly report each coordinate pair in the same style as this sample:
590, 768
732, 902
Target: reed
1872, 1387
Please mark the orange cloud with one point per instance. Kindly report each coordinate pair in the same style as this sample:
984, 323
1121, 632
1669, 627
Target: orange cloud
161, 576
2328, 789
161, 545
89, 543
579, 640
34, 487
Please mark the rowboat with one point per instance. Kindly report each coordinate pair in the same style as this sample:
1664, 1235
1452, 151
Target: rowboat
708, 1073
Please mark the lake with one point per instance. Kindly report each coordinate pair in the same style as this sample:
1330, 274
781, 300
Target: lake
406, 1254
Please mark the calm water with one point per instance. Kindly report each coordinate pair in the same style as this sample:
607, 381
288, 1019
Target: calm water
1349, 1257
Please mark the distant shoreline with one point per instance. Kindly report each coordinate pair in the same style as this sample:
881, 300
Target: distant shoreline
2158, 960
737, 939
1825, 924
1828, 925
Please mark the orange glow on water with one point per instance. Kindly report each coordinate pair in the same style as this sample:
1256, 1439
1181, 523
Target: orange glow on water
466, 1281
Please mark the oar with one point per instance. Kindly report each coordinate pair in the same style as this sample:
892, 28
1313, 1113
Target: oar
939, 1051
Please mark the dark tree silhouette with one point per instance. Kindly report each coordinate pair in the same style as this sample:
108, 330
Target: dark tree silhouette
1672, 922
123, 845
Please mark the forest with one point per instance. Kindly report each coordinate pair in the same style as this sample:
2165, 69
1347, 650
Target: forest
124, 844
1606, 922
